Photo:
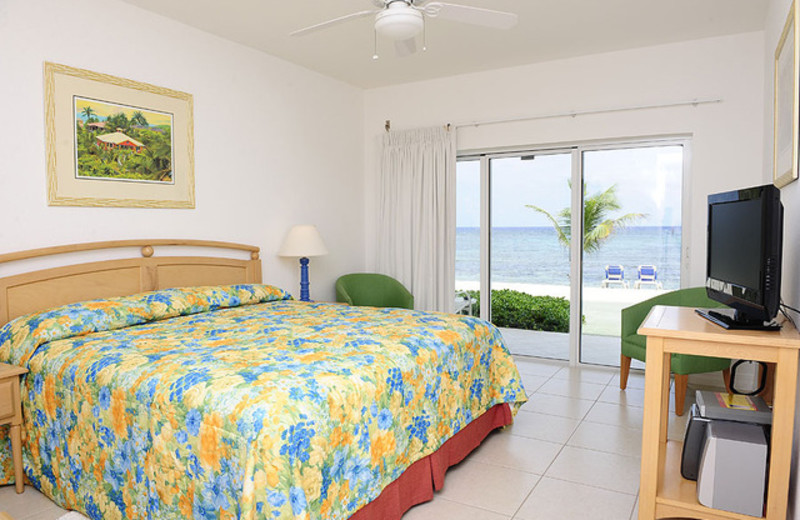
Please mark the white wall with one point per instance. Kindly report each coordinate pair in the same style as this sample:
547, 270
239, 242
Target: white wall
275, 144
790, 196
727, 137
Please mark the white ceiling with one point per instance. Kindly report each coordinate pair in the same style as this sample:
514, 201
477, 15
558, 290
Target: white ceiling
547, 30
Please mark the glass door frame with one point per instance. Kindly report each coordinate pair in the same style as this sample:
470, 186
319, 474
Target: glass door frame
576, 251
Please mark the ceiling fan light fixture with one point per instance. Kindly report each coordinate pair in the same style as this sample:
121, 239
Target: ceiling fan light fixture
399, 23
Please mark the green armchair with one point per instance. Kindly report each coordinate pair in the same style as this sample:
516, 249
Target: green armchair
374, 290
635, 346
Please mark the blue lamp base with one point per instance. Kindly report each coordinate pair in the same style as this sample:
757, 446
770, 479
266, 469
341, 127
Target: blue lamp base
304, 295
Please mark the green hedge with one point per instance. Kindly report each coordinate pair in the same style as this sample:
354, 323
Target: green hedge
519, 310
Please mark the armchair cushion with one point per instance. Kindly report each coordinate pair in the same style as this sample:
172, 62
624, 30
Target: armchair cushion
634, 345
374, 290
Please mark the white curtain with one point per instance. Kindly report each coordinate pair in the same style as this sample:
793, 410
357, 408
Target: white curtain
417, 215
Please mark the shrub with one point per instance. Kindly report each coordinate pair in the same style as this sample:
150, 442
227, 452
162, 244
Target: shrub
519, 310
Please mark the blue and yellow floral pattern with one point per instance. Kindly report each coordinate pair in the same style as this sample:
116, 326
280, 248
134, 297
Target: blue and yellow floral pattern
239, 402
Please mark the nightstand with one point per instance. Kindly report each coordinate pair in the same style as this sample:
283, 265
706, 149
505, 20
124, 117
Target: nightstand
11, 413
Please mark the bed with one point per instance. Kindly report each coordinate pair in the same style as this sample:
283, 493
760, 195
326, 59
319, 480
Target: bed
179, 386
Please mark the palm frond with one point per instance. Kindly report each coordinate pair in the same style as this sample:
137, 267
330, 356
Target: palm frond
598, 226
563, 234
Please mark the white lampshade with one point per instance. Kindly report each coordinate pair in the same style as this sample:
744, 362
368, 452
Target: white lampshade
303, 241
399, 22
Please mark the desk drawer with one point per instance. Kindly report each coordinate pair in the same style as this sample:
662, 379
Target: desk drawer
7, 407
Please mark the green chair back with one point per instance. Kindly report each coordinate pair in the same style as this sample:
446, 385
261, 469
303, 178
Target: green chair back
634, 345
374, 290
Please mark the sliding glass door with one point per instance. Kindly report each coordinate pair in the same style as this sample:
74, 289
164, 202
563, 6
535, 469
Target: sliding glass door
632, 238
529, 273
554, 293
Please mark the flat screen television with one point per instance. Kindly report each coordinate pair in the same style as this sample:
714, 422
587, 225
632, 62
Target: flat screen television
743, 266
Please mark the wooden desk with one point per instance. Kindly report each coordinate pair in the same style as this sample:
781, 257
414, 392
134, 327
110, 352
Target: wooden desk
11, 413
663, 493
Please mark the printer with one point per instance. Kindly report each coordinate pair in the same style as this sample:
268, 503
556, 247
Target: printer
726, 448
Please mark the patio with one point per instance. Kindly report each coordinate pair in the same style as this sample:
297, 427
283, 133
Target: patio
601, 326
596, 349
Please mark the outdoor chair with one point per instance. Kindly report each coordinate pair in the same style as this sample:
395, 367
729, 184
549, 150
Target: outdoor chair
635, 346
463, 303
648, 275
615, 274
373, 290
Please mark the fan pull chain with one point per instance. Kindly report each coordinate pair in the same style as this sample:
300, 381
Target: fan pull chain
424, 34
375, 44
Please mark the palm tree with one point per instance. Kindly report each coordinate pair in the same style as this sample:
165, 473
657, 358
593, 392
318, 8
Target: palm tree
138, 119
88, 113
597, 224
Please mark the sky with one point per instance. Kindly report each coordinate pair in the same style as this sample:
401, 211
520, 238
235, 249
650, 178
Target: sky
648, 181
104, 109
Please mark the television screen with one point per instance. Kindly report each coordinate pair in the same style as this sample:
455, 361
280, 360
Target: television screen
745, 242
735, 242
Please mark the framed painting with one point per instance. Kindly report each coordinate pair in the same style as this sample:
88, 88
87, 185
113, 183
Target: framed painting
116, 142
787, 94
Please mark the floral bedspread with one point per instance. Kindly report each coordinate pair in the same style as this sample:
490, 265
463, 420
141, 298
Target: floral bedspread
237, 401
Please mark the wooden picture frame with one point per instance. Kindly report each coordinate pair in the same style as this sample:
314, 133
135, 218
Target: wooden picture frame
115, 142
787, 93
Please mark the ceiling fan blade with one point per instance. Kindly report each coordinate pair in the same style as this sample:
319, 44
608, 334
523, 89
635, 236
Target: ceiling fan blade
405, 48
335, 21
471, 15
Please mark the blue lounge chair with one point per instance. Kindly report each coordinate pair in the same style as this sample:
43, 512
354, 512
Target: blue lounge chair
615, 274
648, 275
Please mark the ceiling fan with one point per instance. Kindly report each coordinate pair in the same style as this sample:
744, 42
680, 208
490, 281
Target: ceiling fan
403, 20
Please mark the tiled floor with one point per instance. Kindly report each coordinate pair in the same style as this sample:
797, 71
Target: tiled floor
572, 453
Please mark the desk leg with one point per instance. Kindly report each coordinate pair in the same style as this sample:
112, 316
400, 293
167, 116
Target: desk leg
782, 433
654, 428
16, 450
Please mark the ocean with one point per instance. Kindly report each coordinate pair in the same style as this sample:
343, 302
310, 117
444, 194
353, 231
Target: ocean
534, 255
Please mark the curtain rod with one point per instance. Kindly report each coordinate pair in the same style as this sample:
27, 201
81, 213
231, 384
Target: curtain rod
388, 126
695, 102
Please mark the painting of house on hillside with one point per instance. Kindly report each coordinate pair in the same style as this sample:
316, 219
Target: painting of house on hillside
122, 143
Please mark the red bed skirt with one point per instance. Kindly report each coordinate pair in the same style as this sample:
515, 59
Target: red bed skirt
417, 483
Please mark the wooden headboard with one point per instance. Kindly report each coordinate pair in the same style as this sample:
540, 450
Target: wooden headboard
42, 289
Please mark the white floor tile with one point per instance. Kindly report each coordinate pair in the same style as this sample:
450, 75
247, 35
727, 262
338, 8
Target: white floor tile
532, 382
53, 513
635, 513
596, 375
543, 427
538, 367
440, 509
495, 488
574, 389
558, 499
30, 504
513, 451
558, 405
598, 469
628, 397
616, 414
635, 379
607, 438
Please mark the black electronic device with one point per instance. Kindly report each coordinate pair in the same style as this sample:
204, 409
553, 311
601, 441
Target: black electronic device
743, 267
693, 441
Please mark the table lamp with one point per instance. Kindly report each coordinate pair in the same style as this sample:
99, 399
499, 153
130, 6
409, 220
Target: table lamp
303, 241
